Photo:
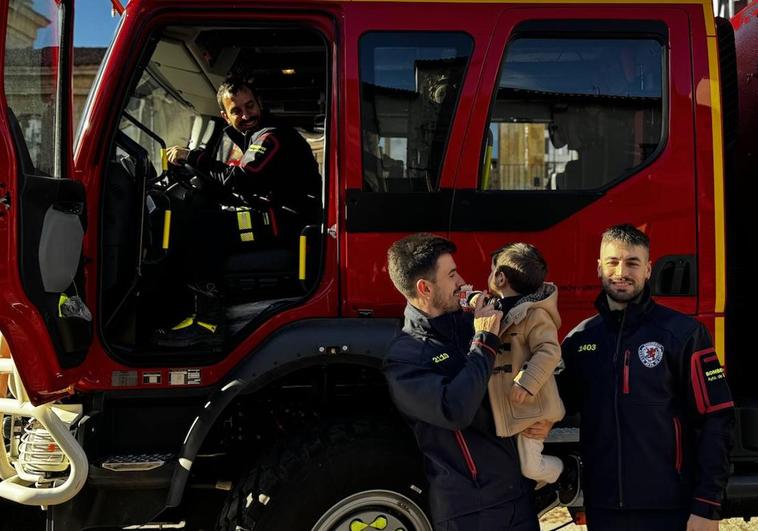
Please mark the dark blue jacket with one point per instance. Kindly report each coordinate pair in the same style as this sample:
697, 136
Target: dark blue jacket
656, 411
438, 378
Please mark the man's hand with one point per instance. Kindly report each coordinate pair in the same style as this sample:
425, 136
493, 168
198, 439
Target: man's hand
538, 430
518, 394
177, 155
698, 523
486, 318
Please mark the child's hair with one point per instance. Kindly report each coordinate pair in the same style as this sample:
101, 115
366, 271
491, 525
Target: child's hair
523, 266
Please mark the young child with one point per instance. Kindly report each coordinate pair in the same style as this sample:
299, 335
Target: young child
522, 388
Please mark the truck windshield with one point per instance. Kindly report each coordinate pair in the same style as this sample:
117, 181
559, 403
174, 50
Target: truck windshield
161, 111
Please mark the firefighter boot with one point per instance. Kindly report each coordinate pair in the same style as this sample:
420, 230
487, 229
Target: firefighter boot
205, 327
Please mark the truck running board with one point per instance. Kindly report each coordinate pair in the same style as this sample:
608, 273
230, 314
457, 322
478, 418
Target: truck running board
44, 465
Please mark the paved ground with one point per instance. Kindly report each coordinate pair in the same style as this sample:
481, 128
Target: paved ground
557, 517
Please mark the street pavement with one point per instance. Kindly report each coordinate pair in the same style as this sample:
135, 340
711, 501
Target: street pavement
559, 516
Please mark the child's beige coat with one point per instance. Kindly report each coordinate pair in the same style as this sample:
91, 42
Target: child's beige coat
529, 355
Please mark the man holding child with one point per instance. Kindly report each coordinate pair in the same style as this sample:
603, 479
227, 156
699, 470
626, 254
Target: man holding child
468, 384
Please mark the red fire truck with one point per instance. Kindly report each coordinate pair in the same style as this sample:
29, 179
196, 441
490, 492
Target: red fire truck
486, 122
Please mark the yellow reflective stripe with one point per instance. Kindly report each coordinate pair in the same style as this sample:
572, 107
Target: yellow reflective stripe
166, 228
207, 326
244, 221
301, 271
164, 160
61, 301
247, 236
256, 148
184, 324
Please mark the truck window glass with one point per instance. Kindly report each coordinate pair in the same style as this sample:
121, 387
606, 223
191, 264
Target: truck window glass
573, 114
410, 84
32, 75
162, 113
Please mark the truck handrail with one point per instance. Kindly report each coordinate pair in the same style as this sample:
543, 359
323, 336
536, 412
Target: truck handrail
12, 487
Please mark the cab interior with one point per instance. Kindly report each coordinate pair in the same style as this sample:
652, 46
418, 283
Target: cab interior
146, 203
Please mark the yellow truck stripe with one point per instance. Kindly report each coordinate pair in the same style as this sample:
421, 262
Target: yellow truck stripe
718, 175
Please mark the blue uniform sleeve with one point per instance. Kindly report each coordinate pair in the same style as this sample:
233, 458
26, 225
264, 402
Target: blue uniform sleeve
711, 412
255, 174
424, 394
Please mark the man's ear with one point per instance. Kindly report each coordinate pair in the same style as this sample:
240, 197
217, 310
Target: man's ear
649, 269
225, 117
599, 269
423, 289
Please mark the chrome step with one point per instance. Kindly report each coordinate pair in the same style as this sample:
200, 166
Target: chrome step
135, 462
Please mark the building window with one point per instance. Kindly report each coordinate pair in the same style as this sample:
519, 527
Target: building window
410, 85
573, 113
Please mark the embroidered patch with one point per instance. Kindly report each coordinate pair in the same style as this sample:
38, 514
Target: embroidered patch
650, 354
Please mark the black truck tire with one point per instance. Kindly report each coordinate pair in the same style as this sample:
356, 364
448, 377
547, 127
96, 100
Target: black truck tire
340, 477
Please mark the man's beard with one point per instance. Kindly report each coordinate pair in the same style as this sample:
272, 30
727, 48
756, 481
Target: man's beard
445, 303
627, 296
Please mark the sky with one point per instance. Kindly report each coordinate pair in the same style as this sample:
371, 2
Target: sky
93, 24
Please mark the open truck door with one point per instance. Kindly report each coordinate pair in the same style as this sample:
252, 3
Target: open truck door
43, 316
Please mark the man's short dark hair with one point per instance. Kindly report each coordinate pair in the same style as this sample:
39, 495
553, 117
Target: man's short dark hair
232, 85
627, 234
523, 265
415, 257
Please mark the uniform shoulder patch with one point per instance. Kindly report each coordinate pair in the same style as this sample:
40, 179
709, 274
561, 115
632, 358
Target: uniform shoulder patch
650, 353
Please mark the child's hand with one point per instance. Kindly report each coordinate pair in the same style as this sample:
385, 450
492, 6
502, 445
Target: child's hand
486, 317
518, 394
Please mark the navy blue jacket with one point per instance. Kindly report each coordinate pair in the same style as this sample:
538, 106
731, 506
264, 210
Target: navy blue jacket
438, 378
656, 412
277, 164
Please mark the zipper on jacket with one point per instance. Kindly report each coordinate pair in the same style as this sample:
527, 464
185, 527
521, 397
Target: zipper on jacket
470, 464
678, 436
626, 372
616, 405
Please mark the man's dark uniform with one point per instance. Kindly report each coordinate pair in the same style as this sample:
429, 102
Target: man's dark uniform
278, 165
656, 416
438, 379
278, 175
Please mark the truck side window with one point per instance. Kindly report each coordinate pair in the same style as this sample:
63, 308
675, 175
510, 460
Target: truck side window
32, 75
410, 84
573, 113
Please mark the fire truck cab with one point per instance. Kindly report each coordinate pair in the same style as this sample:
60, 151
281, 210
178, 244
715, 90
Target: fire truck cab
486, 122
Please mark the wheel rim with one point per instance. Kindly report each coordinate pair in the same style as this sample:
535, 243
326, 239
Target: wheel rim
374, 509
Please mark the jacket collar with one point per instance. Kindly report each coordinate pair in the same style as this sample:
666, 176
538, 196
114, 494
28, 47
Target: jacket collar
546, 296
634, 311
243, 139
239, 138
419, 323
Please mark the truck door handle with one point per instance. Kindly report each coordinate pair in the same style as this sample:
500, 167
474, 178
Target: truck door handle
674, 275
